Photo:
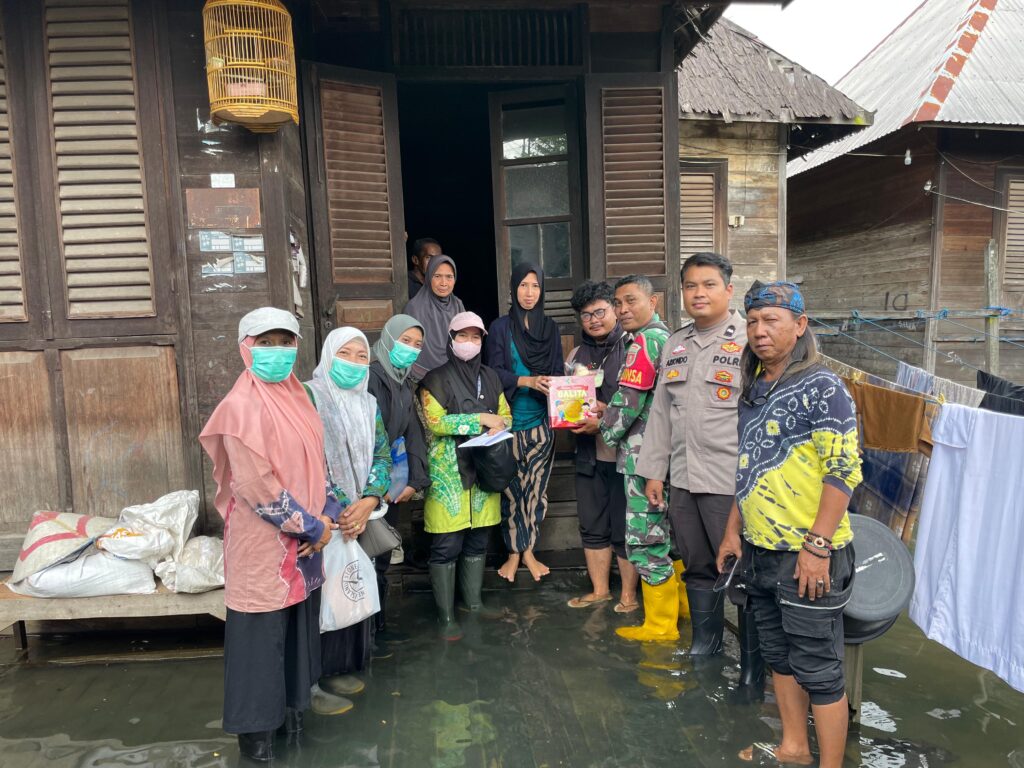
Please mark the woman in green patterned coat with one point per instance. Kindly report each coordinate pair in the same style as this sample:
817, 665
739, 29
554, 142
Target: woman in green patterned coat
461, 399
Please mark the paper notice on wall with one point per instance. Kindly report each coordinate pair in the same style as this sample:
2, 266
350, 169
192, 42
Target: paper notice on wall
212, 241
249, 263
222, 180
219, 265
247, 243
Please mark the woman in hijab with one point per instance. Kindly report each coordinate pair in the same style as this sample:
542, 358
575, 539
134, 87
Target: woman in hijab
394, 353
266, 445
358, 468
525, 349
434, 307
460, 399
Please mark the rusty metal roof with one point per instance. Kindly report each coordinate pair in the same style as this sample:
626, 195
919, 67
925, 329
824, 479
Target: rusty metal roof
732, 75
959, 62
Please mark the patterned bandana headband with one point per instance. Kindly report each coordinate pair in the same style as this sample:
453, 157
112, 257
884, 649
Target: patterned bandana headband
777, 294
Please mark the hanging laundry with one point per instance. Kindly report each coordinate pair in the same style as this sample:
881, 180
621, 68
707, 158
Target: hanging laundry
967, 560
888, 420
912, 377
1001, 395
919, 380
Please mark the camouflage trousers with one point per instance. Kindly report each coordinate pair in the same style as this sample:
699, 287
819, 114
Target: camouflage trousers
648, 533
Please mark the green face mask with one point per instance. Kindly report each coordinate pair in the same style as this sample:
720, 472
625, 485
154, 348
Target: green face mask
273, 364
402, 355
347, 374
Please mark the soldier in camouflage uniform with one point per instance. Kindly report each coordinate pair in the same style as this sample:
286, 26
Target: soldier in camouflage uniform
648, 537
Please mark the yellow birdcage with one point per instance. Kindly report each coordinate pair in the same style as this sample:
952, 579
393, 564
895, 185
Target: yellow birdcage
250, 63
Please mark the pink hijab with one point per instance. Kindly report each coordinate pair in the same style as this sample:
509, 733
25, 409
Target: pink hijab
275, 421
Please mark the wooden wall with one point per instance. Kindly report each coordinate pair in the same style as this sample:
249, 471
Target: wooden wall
756, 176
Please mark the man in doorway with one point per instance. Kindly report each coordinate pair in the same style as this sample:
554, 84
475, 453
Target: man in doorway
691, 441
423, 250
622, 426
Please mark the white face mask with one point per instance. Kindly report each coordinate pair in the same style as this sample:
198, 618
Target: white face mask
465, 350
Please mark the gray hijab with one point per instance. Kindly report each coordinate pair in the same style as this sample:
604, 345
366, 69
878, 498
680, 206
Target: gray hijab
394, 328
434, 315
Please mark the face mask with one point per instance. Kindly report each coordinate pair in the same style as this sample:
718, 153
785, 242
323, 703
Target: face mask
465, 350
272, 364
347, 374
402, 355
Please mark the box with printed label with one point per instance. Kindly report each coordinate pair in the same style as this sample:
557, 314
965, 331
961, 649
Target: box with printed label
571, 399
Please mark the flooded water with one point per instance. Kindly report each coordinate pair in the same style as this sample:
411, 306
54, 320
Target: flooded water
545, 686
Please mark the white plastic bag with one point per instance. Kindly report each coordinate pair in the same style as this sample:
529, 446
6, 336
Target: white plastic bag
350, 585
154, 531
94, 574
199, 569
150, 546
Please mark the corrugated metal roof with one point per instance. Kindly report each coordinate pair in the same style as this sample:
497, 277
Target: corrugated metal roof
735, 76
953, 61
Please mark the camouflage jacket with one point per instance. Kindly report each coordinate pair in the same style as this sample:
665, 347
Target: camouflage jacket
626, 416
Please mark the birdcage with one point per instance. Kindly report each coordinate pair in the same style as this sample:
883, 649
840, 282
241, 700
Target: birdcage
250, 63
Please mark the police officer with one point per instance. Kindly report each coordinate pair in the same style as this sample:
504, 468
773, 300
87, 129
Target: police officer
691, 438
648, 539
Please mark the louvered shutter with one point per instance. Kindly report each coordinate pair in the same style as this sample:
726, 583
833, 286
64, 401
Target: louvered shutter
633, 153
1013, 239
356, 192
12, 297
100, 187
697, 223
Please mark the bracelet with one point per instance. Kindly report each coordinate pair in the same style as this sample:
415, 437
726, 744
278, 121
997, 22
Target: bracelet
819, 536
812, 552
819, 542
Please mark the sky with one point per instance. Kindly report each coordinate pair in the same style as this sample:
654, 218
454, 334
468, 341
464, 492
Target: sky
827, 37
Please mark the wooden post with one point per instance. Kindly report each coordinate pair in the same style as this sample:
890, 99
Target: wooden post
854, 669
992, 300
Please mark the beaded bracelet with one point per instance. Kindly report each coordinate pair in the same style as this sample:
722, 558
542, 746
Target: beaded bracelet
826, 556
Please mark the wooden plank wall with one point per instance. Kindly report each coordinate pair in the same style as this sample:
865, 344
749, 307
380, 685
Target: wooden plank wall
756, 160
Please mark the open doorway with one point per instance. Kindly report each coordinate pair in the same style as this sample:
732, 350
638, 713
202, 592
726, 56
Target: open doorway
446, 182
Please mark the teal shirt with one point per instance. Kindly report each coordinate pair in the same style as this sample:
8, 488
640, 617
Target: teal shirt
527, 411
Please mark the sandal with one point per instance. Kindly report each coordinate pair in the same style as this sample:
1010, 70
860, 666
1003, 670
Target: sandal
771, 751
621, 607
580, 602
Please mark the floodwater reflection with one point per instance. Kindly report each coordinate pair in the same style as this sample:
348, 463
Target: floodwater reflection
542, 686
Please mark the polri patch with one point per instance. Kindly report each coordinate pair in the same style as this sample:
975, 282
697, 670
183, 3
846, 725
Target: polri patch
731, 347
724, 376
673, 374
723, 393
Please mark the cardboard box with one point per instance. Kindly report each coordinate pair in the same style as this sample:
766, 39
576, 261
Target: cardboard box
571, 399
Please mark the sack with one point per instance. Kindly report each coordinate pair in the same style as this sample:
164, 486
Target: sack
94, 574
495, 466
174, 512
55, 537
199, 569
379, 537
150, 545
350, 585
399, 469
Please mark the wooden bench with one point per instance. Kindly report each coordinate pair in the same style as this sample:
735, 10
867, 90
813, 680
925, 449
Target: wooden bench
17, 609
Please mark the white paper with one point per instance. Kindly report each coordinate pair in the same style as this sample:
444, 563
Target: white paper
486, 439
222, 180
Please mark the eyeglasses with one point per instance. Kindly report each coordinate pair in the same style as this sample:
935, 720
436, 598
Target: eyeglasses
597, 314
760, 400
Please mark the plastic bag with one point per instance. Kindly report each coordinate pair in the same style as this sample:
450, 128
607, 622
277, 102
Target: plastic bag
151, 546
199, 569
94, 574
350, 585
399, 469
155, 531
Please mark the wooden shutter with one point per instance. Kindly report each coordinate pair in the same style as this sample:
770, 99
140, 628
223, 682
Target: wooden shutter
100, 186
633, 145
1013, 238
12, 297
696, 213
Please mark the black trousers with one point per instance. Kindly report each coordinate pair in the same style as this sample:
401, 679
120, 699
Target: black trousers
447, 547
698, 527
601, 508
271, 661
800, 637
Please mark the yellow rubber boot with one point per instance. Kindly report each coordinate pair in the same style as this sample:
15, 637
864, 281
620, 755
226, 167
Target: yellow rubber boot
661, 614
684, 603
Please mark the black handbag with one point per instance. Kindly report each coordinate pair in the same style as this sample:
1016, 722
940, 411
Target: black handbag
495, 466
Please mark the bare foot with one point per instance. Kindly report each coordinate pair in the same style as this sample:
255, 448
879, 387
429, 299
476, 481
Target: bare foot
747, 755
536, 567
508, 570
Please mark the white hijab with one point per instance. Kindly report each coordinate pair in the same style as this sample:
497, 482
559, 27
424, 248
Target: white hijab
349, 417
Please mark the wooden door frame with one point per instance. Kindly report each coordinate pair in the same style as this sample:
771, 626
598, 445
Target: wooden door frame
526, 95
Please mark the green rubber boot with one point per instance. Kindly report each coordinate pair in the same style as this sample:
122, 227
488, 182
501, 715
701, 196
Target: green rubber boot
471, 585
442, 581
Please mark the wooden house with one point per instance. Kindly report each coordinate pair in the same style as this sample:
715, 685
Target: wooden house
135, 231
744, 110
894, 223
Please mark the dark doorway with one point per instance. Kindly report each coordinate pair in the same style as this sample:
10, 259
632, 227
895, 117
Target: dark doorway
446, 182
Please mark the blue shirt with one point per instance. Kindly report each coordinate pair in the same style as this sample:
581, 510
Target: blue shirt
527, 411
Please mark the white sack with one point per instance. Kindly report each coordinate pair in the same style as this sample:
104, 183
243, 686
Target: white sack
199, 569
94, 574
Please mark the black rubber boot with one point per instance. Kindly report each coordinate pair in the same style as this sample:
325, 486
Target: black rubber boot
707, 614
471, 585
442, 581
750, 687
292, 722
257, 746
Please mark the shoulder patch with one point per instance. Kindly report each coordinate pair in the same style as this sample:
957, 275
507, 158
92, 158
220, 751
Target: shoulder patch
639, 371
679, 349
731, 347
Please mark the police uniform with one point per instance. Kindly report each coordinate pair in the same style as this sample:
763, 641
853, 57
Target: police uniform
691, 438
648, 540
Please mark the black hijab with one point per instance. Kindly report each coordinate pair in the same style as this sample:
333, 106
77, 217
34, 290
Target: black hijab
534, 343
